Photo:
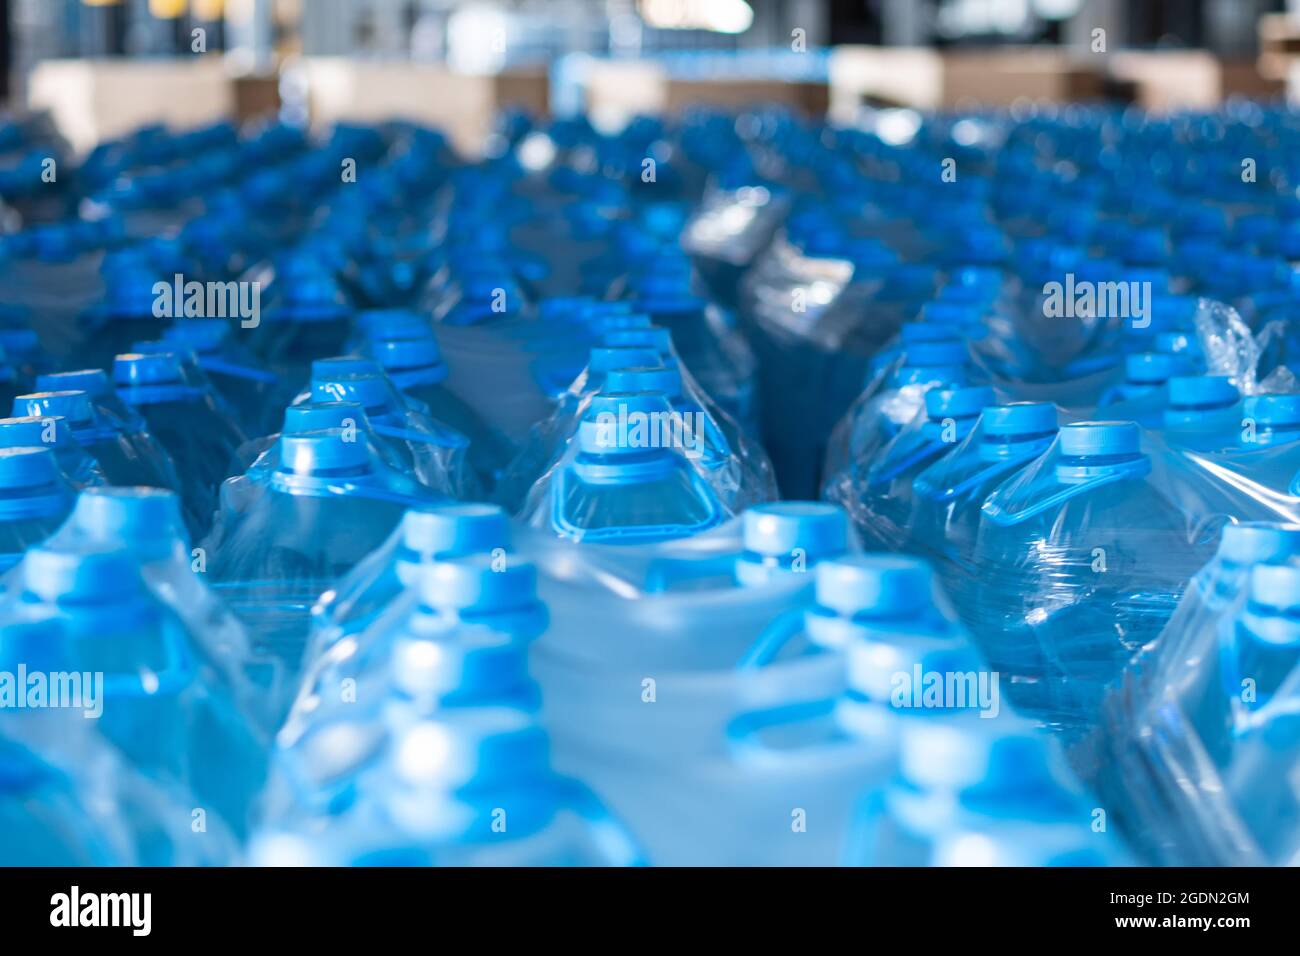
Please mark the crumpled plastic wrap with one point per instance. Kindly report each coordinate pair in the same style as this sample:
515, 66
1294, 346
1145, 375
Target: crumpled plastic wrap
1074, 570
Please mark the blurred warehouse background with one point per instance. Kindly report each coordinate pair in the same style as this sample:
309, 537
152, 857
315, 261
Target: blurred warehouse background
102, 67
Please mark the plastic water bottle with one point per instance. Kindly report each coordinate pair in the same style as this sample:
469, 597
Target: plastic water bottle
146, 522
688, 613
1204, 412
890, 400
94, 809
878, 492
948, 494
305, 315
285, 535
975, 792
1141, 397
491, 800
416, 366
546, 439
432, 451
36, 499
86, 611
427, 534
1093, 557
78, 468
123, 449
187, 421
620, 481
254, 393
737, 467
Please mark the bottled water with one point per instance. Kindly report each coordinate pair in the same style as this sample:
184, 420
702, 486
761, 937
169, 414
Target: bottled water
89, 612
433, 451
188, 423
948, 494
113, 434
878, 492
287, 534
36, 498
1093, 558
973, 792
449, 672
341, 621
78, 468
626, 478
146, 522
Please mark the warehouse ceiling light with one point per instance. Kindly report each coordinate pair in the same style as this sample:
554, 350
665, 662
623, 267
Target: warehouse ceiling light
718, 16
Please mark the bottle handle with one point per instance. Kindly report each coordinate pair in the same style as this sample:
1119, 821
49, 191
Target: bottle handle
774, 637
617, 844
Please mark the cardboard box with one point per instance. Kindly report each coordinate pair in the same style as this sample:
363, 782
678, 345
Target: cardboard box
95, 100
463, 106
617, 90
1279, 44
256, 97
928, 79
1188, 79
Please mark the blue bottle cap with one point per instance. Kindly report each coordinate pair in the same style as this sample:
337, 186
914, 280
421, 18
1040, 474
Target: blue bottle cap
1086, 439
1276, 586
604, 359
478, 583
1252, 542
1201, 391
932, 354
455, 529
1281, 410
381, 324
778, 528
489, 665
82, 576
941, 403
322, 452
367, 388
315, 416
1019, 418
471, 746
656, 338
74, 406
665, 380
602, 431
401, 354
133, 368
875, 585
129, 514
31, 431
1151, 368
93, 381
343, 365
25, 468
